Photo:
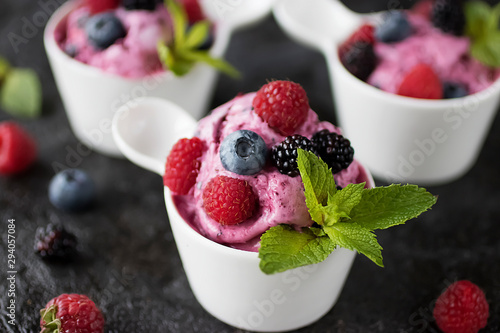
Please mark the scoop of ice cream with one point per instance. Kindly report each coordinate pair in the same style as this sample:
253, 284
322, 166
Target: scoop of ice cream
133, 56
280, 197
447, 54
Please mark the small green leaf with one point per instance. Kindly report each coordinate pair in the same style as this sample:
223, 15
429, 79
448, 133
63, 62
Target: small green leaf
216, 63
352, 236
180, 21
343, 202
4, 68
21, 93
477, 14
283, 248
487, 50
197, 34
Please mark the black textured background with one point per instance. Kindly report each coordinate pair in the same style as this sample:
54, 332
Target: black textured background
129, 264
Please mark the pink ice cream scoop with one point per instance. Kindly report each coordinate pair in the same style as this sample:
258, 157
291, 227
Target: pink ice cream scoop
280, 197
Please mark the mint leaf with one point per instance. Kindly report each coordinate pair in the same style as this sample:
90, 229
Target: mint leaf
318, 183
477, 14
216, 63
283, 248
197, 34
179, 19
4, 68
21, 93
384, 207
343, 202
487, 50
352, 236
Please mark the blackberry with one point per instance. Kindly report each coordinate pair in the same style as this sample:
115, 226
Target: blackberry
55, 243
359, 59
139, 4
448, 15
334, 149
284, 155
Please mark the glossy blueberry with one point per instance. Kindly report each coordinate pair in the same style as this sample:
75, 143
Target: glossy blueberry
139, 4
71, 190
454, 90
395, 27
104, 29
243, 152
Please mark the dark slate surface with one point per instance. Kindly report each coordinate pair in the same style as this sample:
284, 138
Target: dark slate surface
129, 263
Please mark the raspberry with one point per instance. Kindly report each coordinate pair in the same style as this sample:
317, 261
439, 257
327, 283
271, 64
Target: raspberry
364, 34
17, 149
423, 8
448, 15
359, 59
54, 242
461, 308
99, 6
75, 314
284, 155
421, 82
193, 10
283, 105
228, 200
183, 165
334, 150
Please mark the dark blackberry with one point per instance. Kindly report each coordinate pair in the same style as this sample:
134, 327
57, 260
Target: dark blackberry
359, 59
334, 149
448, 15
140, 4
55, 243
284, 155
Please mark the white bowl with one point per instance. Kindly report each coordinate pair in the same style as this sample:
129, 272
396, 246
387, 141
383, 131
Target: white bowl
91, 96
399, 139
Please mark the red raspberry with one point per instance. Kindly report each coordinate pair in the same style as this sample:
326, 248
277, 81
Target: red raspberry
75, 314
421, 82
98, 6
17, 149
183, 165
228, 200
461, 308
193, 10
423, 8
283, 105
364, 34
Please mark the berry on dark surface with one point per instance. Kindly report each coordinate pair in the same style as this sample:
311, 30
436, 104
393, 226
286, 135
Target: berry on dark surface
461, 308
229, 201
104, 29
454, 90
394, 28
99, 6
139, 4
72, 190
421, 82
359, 59
283, 105
243, 152
17, 149
53, 242
284, 154
448, 15
334, 150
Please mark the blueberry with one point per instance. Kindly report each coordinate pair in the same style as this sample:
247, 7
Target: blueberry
454, 90
243, 152
139, 4
395, 27
71, 190
104, 29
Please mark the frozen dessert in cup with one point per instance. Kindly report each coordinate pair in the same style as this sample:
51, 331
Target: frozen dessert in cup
95, 78
266, 229
408, 138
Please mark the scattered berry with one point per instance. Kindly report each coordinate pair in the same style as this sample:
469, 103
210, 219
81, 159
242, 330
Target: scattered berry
448, 15
334, 150
55, 243
139, 4
228, 200
71, 313
99, 6
284, 155
395, 27
193, 10
72, 190
183, 165
359, 59
421, 82
104, 29
17, 149
454, 90
283, 105
461, 308
243, 152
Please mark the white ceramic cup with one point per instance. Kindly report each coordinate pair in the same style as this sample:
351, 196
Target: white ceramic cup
228, 282
399, 139
91, 96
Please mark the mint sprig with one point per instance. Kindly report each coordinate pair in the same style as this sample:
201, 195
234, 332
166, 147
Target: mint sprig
345, 218
183, 52
482, 27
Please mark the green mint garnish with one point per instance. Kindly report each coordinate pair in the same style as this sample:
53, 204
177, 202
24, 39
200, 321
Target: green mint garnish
20, 91
344, 218
482, 27
183, 52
